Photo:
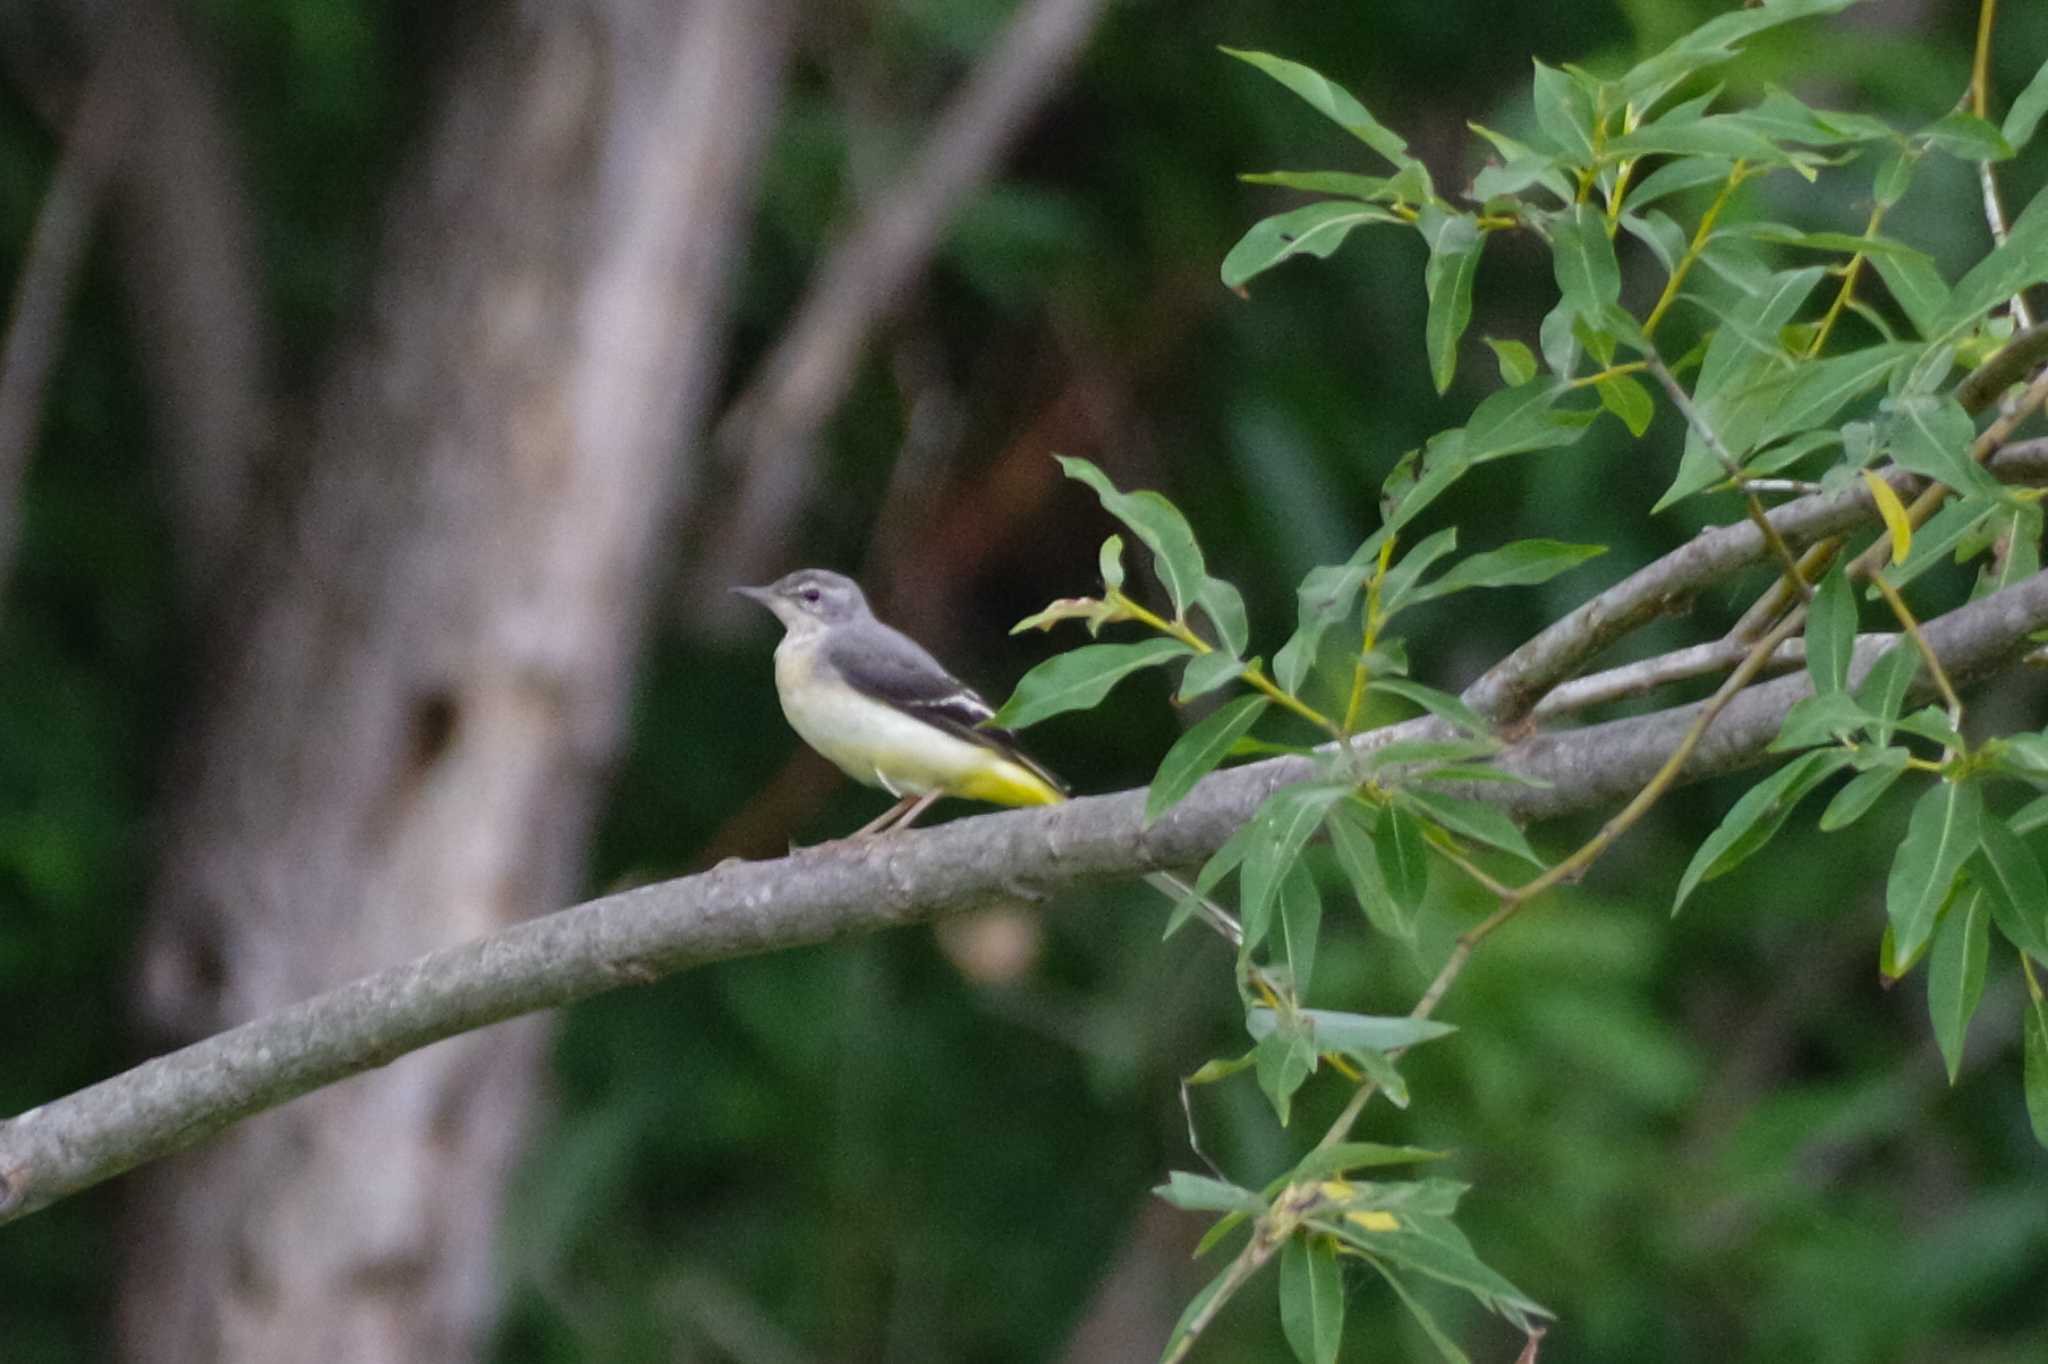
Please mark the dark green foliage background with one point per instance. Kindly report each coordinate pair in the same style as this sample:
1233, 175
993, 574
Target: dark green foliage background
1694, 1140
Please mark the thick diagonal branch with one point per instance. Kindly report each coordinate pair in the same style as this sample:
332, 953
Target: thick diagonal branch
742, 908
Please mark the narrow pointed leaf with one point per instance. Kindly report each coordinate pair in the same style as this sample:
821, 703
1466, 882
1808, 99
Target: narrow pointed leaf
2034, 1025
1153, 520
1301, 922
1955, 974
1753, 819
1079, 678
1454, 245
1280, 830
1333, 1031
1864, 790
1316, 229
1196, 753
1200, 1193
1474, 819
1831, 632
2018, 892
1331, 101
1311, 1299
1403, 859
1352, 842
1940, 836
1521, 564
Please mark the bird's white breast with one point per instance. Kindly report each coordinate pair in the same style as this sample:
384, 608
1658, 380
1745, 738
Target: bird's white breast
870, 741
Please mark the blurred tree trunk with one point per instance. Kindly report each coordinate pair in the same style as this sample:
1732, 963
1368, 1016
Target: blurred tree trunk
417, 680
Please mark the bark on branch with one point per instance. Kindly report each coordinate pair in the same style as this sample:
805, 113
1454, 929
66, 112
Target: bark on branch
741, 908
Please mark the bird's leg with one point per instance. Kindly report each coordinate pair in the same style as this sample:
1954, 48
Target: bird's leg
907, 807
917, 807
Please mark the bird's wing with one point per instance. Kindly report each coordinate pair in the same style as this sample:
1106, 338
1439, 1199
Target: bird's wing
887, 665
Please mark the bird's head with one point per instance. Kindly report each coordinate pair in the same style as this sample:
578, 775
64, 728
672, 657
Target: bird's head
810, 599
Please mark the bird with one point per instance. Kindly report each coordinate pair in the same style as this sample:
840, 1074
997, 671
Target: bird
879, 707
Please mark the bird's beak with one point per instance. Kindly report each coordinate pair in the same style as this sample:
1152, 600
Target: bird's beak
763, 595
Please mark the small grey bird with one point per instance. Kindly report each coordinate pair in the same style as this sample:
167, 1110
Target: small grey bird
870, 699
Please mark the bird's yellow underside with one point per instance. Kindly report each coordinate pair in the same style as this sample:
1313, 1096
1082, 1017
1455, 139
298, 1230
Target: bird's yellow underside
878, 745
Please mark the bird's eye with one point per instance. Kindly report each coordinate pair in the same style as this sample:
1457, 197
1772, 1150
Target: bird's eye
813, 595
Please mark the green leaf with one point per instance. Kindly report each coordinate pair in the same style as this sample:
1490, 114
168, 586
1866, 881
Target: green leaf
1940, 836
1655, 229
1743, 353
1366, 188
1515, 421
1965, 135
1316, 229
1281, 829
1347, 1156
1955, 974
2034, 1024
1717, 135
1352, 841
1831, 631
1412, 752
1196, 1306
1311, 1298
2021, 262
1406, 571
1219, 1232
2025, 115
1918, 287
1224, 605
1814, 392
1331, 101
1521, 564
2018, 892
1756, 817
1438, 1337
1894, 176
1930, 722
1403, 858
1079, 678
1441, 704
1111, 563
1844, 243
1328, 595
1628, 400
1864, 790
1474, 819
2022, 557
1454, 245
1517, 362
1883, 689
1196, 753
1932, 437
1206, 672
1301, 920
1157, 522
1285, 1059
1346, 1032
1199, 1193
2031, 817
1943, 535
1824, 718
1564, 111
1433, 1246
1582, 256
1674, 177
1711, 43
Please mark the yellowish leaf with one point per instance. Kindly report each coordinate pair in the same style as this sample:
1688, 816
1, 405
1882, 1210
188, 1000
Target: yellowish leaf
1894, 513
1374, 1220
